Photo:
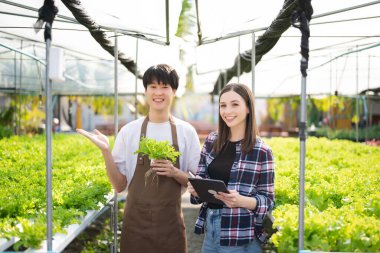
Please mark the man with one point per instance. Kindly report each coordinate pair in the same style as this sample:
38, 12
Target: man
153, 219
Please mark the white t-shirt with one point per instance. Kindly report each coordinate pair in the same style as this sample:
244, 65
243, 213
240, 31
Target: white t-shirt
127, 142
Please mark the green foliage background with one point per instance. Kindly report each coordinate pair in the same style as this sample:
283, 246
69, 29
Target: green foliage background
342, 195
79, 184
342, 190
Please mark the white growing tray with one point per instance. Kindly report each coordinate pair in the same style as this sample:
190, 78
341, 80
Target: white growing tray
60, 241
5, 244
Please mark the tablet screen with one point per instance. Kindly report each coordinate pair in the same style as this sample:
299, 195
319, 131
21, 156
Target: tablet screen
206, 188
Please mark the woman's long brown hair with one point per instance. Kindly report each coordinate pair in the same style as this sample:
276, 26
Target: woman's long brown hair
251, 130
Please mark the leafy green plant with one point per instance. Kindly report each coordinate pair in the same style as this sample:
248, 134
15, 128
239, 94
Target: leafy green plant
342, 199
341, 195
371, 133
6, 117
79, 184
156, 150
5, 132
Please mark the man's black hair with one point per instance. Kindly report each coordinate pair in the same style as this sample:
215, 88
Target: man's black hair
161, 73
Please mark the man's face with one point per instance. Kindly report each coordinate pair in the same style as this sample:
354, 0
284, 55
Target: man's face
159, 96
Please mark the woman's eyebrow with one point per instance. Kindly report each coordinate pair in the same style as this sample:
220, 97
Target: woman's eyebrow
233, 101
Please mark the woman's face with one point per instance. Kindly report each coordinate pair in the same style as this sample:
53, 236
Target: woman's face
233, 110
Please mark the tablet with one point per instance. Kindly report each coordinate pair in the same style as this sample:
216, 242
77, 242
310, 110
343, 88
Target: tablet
206, 188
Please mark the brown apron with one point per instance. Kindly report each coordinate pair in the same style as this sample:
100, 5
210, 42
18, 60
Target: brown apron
153, 219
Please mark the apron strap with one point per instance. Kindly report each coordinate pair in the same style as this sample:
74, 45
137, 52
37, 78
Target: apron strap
144, 126
174, 138
140, 158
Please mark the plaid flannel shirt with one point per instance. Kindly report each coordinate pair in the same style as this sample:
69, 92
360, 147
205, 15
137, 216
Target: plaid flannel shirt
251, 175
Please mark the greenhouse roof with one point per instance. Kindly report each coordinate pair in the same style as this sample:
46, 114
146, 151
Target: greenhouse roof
344, 45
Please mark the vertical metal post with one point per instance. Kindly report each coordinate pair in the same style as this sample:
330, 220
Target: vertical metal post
331, 95
199, 31
304, 19
116, 87
136, 74
225, 78
302, 135
220, 84
48, 129
59, 113
253, 62
15, 118
213, 109
115, 207
368, 84
19, 95
336, 94
167, 22
238, 61
357, 97
369, 71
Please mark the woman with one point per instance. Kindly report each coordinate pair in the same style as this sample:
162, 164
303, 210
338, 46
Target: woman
236, 155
